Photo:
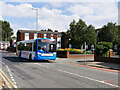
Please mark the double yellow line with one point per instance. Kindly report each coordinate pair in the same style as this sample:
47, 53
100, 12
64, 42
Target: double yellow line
9, 83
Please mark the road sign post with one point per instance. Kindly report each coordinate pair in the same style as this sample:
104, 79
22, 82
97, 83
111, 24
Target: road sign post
85, 54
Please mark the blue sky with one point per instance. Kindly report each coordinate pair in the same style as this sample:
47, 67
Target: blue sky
57, 15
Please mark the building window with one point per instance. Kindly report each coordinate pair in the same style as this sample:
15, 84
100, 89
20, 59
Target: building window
59, 39
35, 35
52, 36
59, 35
26, 36
45, 35
58, 45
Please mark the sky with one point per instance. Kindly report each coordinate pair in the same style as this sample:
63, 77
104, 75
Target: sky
57, 15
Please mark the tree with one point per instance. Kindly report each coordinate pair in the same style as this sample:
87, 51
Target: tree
90, 35
43, 30
13, 37
109, 33
79, 33
6, 30
56, 31
50, 30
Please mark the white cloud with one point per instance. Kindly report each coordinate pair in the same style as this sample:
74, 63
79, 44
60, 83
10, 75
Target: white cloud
1, 18
22, 10
96, 13
80, 10
54, 19
17, 27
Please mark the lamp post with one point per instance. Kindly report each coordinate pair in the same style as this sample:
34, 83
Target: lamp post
36, 19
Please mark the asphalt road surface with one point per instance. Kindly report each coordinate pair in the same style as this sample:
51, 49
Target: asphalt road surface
54, 74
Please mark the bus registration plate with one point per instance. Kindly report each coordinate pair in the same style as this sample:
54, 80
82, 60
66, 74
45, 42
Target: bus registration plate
44, 54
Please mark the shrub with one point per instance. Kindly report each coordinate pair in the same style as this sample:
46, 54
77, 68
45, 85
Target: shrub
60, 49
102, 49
89, 53
71, 50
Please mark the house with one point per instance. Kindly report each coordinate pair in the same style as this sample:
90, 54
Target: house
33, 34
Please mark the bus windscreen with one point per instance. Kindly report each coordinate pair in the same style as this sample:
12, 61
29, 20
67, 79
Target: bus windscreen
46, 46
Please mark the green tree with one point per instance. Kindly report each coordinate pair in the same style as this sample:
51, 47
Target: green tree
56, 31
90, 35
50, 30
79, 33
119, 36
6, 30
109, 33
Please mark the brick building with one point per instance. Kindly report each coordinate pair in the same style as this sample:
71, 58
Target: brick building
32, 34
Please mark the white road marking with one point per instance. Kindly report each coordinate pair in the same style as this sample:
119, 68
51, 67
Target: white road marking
41, 64
87, 78
11, 76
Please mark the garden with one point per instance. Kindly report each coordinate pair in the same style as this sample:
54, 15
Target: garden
72, 53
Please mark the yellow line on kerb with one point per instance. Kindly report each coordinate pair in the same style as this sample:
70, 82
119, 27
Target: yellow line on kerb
8, 78
9, 86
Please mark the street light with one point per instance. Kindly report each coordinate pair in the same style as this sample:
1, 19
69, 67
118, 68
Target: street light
36, 19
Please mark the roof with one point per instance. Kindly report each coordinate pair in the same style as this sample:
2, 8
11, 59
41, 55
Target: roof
34, 31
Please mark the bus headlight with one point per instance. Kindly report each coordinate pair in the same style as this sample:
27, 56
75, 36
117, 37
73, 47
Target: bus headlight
54, 53
39, 53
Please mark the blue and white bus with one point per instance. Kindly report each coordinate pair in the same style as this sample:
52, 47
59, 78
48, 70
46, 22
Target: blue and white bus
37, 49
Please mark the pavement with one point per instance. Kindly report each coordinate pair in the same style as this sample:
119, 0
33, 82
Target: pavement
90, 62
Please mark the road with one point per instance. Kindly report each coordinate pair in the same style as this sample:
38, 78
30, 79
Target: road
55, 74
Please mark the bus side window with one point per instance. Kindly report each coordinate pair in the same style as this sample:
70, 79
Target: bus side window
35, 46
30, 46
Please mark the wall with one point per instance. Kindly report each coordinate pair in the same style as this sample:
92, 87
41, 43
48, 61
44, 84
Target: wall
107, 59
22, 36
66, 54
31, 35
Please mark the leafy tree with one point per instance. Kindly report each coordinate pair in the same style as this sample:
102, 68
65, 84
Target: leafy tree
79, 33
56, 31
50, 30
43, 30
119, 35
6, 30
13, 37
109, 33
90, 35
